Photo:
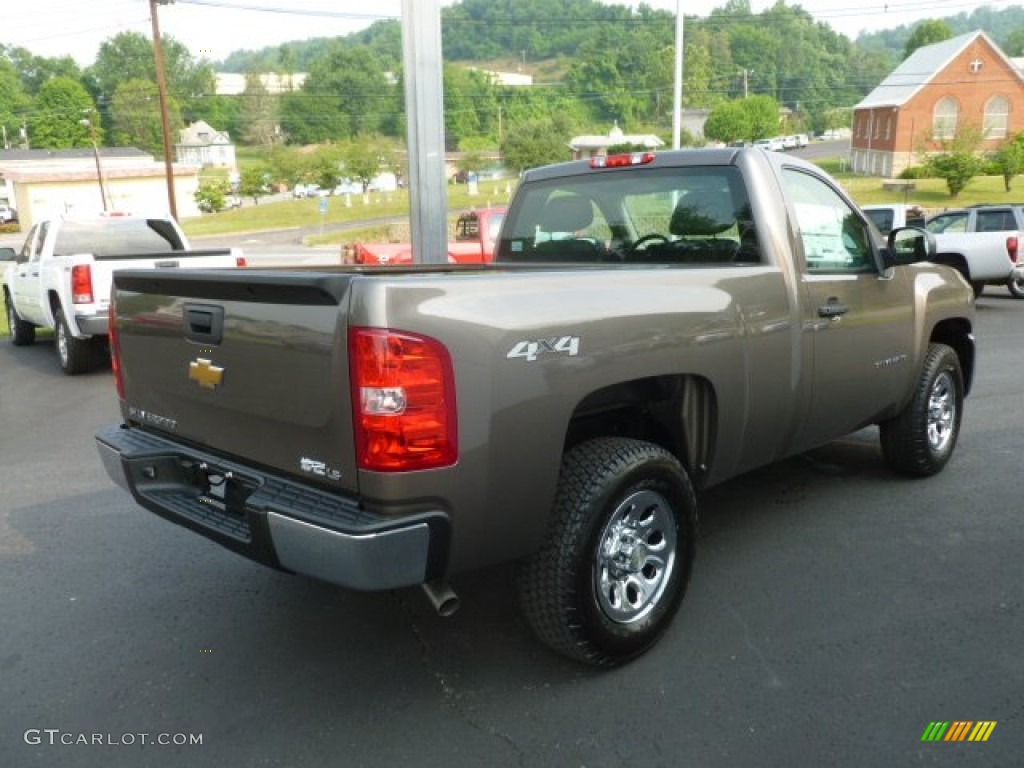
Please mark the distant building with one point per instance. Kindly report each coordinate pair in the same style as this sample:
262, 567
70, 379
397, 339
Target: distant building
964, 81
594, 145
692, 121
232, 84
199, 144
41, 182
506, 78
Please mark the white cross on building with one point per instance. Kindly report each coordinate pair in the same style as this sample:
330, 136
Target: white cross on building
976, 66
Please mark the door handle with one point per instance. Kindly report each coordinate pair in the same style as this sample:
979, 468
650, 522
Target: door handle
833, 309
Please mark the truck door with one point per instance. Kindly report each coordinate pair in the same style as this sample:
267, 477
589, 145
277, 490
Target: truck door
27, 282
856, 320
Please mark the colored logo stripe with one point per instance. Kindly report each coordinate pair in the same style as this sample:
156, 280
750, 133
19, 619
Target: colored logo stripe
982, 731
958, 730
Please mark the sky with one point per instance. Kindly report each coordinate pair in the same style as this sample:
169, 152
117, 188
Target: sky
212, 29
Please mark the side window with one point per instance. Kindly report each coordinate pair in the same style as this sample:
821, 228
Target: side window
40, 240
948, 222
834, 238
26, 249
994, 221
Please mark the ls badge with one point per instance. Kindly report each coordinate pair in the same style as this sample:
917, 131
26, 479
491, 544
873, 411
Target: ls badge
205, 373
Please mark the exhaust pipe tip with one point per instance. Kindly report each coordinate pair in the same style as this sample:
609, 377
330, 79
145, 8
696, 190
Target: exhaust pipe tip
442, 597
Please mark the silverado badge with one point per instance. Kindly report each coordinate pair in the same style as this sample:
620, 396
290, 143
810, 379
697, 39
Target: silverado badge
205, 373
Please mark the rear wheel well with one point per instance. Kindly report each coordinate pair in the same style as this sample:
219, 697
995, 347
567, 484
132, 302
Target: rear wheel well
675, 412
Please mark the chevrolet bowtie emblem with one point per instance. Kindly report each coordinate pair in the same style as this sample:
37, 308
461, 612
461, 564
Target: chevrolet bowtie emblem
205, 373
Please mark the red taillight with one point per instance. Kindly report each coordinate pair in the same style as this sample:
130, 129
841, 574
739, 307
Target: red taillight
622, 161
1011, 248
403, 400
115, 348
240, 261
81, 284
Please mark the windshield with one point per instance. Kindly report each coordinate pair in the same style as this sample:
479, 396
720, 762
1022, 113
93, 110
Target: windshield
107, 238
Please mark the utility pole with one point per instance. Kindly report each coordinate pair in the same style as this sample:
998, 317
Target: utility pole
165, 115
91, 122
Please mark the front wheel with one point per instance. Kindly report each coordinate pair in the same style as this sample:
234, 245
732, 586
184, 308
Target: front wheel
920, 440
613, 569
1016, 287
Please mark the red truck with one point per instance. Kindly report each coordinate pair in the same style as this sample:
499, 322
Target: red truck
475, 235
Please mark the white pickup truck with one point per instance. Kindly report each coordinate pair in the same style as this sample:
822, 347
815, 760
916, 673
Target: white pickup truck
981, 242
61, 277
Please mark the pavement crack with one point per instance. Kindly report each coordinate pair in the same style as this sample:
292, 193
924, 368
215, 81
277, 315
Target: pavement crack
453, 698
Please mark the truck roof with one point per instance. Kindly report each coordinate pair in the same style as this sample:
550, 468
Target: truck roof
675, 158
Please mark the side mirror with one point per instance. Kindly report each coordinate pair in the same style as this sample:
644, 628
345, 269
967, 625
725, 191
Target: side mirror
8, 254
908, 245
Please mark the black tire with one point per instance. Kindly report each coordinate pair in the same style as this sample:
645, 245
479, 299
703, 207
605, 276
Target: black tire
978, 288
1016, 288
22, 333
75, 355
591, 603
920, 440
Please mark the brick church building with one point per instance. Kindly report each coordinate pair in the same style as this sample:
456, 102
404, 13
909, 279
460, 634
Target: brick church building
964, 81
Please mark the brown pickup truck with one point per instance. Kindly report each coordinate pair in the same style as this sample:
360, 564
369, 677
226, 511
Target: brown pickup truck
653, 325
475, 235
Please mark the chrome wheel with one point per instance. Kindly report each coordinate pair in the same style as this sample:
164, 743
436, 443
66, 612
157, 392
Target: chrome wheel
62, 343
941, 412
635, 557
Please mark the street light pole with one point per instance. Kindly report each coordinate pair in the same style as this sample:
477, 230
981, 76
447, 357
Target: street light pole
165, 115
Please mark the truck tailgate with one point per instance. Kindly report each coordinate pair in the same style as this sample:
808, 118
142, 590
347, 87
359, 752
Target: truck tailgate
242, 362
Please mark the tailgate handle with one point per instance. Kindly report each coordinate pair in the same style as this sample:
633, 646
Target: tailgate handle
204, 323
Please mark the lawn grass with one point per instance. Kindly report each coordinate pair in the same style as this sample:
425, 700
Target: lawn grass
305, 213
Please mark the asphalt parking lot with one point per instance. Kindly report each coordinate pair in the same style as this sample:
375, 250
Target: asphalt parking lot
835, 611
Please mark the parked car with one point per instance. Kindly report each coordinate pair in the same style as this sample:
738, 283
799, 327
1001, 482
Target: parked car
961, 231
7, 214
654, 324
61, 278
773, 144
888, 217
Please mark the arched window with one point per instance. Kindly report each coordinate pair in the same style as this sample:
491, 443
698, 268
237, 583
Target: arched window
944, 118
997, 117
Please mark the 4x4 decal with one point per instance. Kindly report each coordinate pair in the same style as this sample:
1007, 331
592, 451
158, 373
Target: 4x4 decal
559, 345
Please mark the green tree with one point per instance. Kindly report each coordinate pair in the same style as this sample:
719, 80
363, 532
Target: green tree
927, 33
14, 102
60, 118
345, 95
1013, 45
748, 119
129, 56
959, 161
536, 142
1009, 159
212, 196
763, 114
261, 113
364, 158
135, 116
727, 123
253, 182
